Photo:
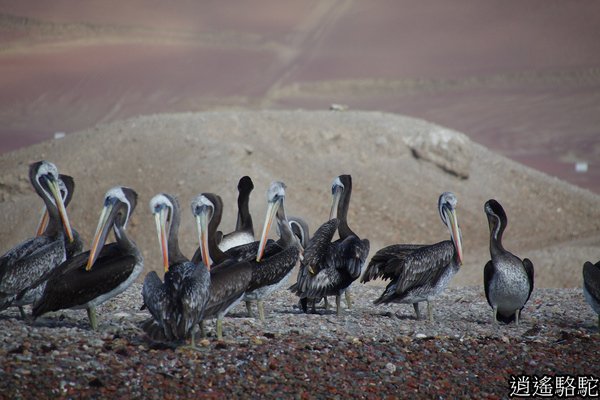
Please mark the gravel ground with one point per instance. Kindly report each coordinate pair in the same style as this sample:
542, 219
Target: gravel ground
368, 352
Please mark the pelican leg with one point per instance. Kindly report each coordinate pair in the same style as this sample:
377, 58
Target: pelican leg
314, 306
202, 329
261, 310
517, 315
338, 304
348, 299
22, 311
249, 308
417, 311
430, 311
326, 303
91, 312
220, 328
494, 315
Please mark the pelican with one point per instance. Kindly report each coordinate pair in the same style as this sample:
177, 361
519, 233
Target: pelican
507, 280
328, 268
23, 267
28, 296
300, 229
105, 271
178, 304
244, 230
272, 272
419, 272
591, 286
229, 278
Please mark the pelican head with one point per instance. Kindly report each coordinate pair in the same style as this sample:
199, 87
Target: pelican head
447, 209
275, 198
162, 207
203, 209
66, 185
119, 203
496, 217
45, 179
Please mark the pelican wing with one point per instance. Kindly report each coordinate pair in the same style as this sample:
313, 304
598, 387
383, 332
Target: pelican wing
155, 298
273, 269
488, 274
73, 286
318, 246
36, 259
424, 266
388, 262
229, 281
349, 255
528, 265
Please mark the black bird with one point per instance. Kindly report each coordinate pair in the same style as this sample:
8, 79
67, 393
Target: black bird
507, 280
273, 271
24, 267
244, 229
107, 270
35, 291
178, 304
591, 286
229, 278
328, 268
419, 272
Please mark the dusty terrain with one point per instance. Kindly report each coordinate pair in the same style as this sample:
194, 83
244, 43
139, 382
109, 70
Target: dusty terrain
399, 166
521, 79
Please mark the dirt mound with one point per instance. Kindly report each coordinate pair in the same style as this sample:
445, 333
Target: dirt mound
399, 166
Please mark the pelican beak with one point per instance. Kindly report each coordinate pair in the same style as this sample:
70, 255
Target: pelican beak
161, 222
202, 219
55, 189
455, 233
337, 194
271, 212
100, 235
43, 223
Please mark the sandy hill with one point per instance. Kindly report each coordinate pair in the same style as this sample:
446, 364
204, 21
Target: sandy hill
399, 165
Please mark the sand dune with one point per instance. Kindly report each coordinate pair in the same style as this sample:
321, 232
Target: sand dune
399, 165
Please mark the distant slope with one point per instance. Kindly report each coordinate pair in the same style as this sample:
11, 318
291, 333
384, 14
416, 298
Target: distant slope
399, 165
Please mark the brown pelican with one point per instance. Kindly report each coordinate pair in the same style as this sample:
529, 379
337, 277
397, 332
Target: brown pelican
591, 286
273, 271
328, 268
93, 277
272, 261
419, 272
229, 278
34, 293
178, 304
244, 230
23, 267
507, 280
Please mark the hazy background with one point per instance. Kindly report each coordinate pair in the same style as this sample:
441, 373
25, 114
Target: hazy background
522, 78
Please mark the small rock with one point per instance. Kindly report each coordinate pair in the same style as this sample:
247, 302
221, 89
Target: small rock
391, 368
420, 336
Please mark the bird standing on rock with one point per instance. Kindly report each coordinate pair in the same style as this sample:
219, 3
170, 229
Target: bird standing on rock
178, 304
329, 268
26, 266
507, 280
93, 277
420, 272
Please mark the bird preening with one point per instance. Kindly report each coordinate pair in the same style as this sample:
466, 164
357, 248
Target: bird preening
50, 272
